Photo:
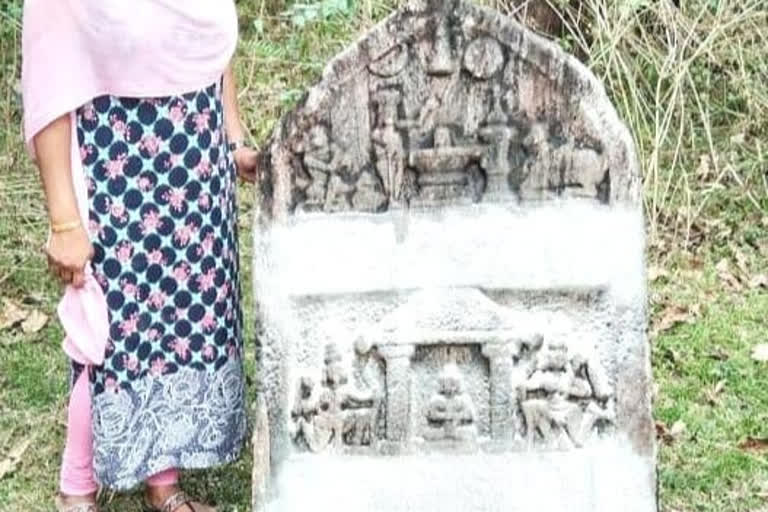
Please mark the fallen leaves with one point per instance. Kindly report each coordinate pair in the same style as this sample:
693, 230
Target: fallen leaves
6, 161
759, 281
13, 315
713, 395
754, 445
726, 274
34, 322
10, 462
669, 435
673, 315
763, 491
760, 353
738, 278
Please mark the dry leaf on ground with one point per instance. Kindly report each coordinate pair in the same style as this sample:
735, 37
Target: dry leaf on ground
674, 315
741, 262
718, 354
670, 434
11, 314
759, 281
713, 395
34, 322
727, 276
9, 463
678, 429
655, 273
763, 491
662, 432
760, 352
754, 444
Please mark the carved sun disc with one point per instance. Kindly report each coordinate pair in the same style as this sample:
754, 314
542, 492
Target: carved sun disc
483, 57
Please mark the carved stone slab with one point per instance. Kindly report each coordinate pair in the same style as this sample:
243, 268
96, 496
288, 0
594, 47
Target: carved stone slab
449, 279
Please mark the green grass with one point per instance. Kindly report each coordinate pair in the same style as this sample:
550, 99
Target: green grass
705, 469
696, 219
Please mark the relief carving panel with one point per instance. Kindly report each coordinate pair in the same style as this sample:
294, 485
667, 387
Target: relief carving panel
438, 107
478, 383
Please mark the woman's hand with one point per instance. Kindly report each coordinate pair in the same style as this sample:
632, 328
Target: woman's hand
247, 163
68, 254
246, 159
69, 250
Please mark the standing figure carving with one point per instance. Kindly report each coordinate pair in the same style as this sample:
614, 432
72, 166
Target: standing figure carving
303, 414
388, 144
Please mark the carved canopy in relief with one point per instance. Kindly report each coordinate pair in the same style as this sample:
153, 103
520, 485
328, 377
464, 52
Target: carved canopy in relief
447, 102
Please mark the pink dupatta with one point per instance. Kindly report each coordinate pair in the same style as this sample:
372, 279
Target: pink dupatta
76, 50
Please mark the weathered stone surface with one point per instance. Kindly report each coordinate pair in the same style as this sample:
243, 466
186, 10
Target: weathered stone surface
449, 277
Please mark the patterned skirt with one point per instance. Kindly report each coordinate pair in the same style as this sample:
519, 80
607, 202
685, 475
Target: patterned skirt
161, 186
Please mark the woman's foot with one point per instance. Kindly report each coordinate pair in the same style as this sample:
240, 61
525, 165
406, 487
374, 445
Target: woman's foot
171, 498
87, 503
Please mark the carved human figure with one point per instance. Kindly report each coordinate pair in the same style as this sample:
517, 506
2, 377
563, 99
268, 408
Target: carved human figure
562, 383
552, 412
303, 413
324, 162
537, 167
388, 145
365, 398
450, 415
369, 192
342, 413
329, 422
592, 383
499, 138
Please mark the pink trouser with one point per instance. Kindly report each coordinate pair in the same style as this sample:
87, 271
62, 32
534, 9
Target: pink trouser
77, 478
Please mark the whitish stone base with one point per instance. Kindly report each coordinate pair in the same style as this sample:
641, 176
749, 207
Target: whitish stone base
607, 477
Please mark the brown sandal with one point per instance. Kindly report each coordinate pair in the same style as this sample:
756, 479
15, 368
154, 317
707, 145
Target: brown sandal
172, 504
80, 507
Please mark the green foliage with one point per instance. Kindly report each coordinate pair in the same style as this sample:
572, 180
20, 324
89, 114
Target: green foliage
301, 15
10, 17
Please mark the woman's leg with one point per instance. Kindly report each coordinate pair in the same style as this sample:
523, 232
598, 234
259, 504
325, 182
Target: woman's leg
77, 481
167, 478
77, 478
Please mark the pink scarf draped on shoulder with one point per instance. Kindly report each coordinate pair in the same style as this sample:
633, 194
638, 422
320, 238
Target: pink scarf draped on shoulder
76, 50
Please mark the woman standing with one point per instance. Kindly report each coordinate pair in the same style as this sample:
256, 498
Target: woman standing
131, 114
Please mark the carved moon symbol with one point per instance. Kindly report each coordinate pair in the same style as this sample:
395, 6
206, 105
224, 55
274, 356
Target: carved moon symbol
483, 57
391, 63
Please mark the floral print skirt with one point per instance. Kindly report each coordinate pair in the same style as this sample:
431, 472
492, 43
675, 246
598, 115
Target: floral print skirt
161, 186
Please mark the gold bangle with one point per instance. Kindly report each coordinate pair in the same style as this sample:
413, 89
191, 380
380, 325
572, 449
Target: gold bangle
65, 226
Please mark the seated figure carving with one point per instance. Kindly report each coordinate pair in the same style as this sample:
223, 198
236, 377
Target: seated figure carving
340, 414
450, 415
564, 409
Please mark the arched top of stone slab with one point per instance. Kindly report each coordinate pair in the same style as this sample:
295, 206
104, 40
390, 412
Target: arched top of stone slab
446, 102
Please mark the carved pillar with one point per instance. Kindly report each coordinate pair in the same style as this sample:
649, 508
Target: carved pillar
398, 363
502, 392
